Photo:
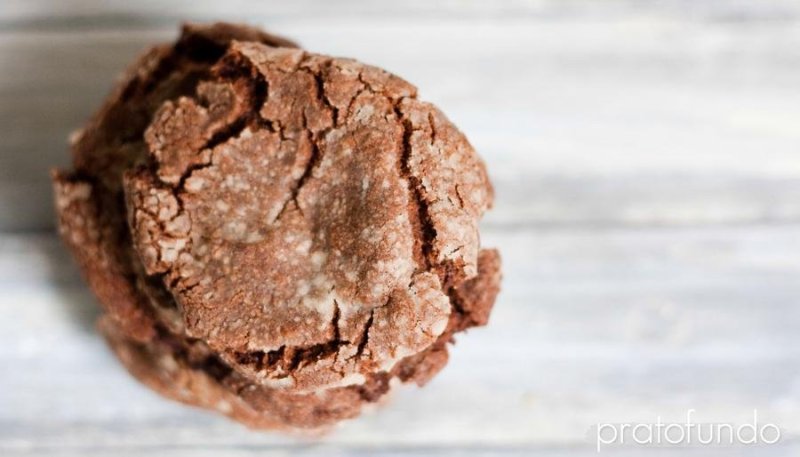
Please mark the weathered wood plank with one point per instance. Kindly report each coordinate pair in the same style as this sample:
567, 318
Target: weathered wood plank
593, 325
94, 12
621, 118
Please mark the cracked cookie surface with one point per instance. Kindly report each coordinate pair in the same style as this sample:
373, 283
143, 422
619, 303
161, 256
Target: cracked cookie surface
280, 233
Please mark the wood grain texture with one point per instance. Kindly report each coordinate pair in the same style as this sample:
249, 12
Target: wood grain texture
593, 326
658, 117
647, 163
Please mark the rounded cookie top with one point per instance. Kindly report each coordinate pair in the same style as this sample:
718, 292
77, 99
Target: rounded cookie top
308, 214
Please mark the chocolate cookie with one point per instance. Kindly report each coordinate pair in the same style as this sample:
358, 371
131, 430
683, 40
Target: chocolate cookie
276, 234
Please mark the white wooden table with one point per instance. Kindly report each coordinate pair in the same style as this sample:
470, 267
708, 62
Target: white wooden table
647, 163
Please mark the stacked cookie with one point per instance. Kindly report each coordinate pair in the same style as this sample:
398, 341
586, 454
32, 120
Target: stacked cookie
275, 234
